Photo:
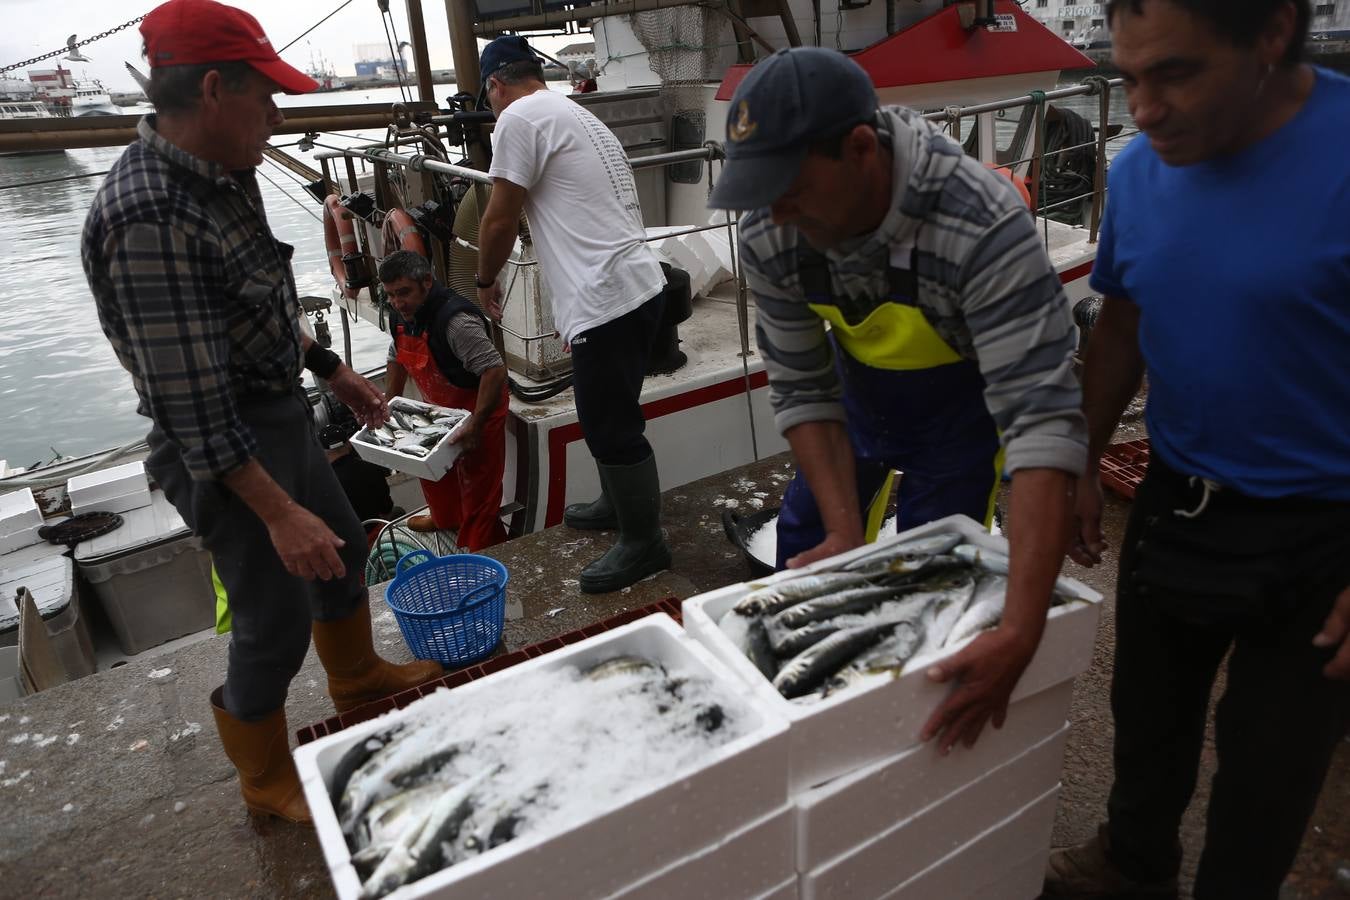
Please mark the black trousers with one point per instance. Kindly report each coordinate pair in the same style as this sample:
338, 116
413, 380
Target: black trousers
608, 364
1254, 580
271, 609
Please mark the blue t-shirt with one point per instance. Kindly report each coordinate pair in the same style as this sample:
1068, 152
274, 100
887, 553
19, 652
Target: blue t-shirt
1240, 267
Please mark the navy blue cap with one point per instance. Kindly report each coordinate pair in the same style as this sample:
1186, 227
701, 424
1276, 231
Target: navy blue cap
796, 96
502, 51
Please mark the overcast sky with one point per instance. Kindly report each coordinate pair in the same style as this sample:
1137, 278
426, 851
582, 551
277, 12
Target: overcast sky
33, 27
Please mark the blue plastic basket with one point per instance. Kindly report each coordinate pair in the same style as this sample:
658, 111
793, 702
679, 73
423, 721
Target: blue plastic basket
449, 608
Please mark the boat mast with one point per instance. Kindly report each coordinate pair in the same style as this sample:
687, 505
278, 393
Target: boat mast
464, 53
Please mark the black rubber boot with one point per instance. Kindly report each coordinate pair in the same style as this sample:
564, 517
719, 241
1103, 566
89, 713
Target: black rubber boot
598, 515
635, 493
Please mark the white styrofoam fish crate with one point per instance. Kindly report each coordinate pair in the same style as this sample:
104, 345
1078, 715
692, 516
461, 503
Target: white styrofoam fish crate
20, 519
966, 872
883, 715
1021, 882
744, 866
850, 810
892, 857
432, 467
682, 813
115, 490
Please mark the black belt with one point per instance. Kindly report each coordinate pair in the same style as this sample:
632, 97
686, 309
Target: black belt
1211, 494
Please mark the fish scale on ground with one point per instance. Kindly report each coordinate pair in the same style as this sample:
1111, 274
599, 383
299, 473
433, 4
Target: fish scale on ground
821, 631
456, 782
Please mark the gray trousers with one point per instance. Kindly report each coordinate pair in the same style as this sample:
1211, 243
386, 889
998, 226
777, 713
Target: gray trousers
271, 609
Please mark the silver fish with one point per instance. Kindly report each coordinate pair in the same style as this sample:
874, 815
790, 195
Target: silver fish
449, 421
946, 608
418, 850
999, 564
985, 609
894, 612
401, 419
431, 430
891, 655
769, 600
418, 420
810, 669
622, 665
386, 820
919, 548
852, 600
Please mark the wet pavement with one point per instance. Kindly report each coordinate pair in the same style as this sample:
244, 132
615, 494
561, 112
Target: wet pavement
115, 785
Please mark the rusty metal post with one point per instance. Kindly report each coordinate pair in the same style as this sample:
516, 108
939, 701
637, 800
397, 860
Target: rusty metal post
464, 56
1099, 176
418, 27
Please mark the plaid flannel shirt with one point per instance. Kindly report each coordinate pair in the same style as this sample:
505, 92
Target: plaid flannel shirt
195, 294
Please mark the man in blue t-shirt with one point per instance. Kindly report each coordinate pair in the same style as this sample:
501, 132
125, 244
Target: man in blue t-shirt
1225, 265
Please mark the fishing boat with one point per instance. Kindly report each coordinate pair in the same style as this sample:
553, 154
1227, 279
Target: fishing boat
988, 71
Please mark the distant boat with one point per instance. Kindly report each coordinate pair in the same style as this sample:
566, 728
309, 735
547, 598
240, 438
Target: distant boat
92, 99
324, 73
13, 107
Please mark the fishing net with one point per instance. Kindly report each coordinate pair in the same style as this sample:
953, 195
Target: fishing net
687, 47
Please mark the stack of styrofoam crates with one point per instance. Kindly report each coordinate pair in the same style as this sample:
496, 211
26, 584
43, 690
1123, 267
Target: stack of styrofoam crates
881, 815
20, 520
115, 490
722, 829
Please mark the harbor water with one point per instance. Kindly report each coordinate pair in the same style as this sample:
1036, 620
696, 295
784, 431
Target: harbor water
62, 391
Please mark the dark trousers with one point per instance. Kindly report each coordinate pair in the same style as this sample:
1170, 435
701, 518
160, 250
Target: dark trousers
1254, 579
608, 363
929, 424
271, 608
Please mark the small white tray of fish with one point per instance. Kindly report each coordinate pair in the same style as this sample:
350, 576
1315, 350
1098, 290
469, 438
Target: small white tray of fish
576, 774
841, 648
416, 439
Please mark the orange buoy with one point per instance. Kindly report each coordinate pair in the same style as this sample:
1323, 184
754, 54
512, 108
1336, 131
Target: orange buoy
401, 233
1019, 183
339, 236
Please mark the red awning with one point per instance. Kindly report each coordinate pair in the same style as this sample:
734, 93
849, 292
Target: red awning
939, 49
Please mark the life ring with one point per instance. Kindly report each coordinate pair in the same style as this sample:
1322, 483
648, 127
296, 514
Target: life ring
1019, 183
339, 236
401, 233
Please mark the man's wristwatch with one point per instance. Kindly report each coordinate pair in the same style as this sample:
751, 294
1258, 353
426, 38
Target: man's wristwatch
481, 285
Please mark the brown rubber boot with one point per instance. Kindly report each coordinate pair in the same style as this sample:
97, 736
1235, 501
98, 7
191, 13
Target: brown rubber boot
262, 755
1086, 872
356, 674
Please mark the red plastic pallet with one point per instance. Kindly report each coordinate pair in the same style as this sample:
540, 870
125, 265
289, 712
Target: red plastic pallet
1123, 466
670, 606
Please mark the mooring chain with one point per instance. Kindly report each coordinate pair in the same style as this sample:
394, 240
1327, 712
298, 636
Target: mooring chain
86, 41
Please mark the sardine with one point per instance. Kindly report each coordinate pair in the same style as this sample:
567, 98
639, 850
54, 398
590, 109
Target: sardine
893, 612
356, 757
622, 665
418, 420
947, 607
449, 421
830, 605
769, 600
401, 419
985, 609
389, 818
891, 655
812, 667
899, 554
418, 850
398, 763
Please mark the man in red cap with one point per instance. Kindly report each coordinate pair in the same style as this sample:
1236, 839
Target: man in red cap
199, 302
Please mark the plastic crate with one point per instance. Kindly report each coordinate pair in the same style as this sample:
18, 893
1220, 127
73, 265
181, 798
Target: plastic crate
1124, 465
670, 606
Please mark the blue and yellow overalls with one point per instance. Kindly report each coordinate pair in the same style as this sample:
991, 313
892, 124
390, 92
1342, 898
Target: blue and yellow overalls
914, 405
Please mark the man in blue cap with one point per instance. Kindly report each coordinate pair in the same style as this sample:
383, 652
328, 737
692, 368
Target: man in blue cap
949, 350
551, 158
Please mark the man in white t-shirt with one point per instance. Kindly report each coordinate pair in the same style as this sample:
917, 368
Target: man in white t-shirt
553, 159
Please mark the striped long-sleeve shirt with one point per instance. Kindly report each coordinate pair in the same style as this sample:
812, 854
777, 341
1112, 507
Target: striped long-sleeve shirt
984, 283
195, 295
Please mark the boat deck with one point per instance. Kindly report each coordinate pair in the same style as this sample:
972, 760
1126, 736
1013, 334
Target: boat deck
116, 784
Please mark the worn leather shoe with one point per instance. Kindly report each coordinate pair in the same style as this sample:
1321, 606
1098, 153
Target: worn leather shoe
1086, 872
422, 524
262, 756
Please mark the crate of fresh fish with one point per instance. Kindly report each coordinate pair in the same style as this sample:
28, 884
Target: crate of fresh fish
841, 647
576, 774
417, 439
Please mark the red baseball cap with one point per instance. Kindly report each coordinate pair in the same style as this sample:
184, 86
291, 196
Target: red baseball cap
194, 32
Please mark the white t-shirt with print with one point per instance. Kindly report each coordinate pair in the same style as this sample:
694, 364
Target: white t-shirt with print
583, 209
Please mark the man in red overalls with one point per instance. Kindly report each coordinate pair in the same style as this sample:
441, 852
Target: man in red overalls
441, 340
